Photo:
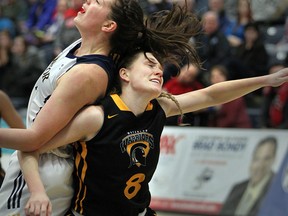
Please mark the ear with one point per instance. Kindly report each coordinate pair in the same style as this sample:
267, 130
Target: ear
109, 26
123, 73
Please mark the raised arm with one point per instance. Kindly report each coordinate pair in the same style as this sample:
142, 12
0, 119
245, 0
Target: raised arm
77, 88
221, 93
83, 126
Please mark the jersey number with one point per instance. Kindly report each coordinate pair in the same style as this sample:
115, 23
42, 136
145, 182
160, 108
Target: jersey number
133, 185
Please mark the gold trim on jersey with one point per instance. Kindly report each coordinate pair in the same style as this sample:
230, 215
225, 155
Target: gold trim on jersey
123, 107
82, 187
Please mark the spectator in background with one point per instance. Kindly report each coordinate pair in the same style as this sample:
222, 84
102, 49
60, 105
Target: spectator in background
5, 53
68, 32
235, 31
269, 11
7, 24
249, 60
11, 117
26, 66
246, 197
251, 56
213, 46
275, 103
186, 81
158, 5
51, 33
218, 6
229, 115
40, 17
202, 6
16, 11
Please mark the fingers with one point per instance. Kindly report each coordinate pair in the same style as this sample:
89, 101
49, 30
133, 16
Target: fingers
38, 209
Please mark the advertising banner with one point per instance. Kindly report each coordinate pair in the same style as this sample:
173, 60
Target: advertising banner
212, 171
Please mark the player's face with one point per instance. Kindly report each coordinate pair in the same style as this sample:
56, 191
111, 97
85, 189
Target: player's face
93, 15
146, 75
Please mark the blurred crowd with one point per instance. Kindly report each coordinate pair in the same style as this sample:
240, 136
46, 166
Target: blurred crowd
238, 39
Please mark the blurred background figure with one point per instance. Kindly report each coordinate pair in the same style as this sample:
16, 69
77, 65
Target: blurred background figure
21, 75
67, 32
269, 11
40, 17
17, 12
6, 42
212, 46
229, 115
275, 103
11, 117
252, 54
250, 59
186, 81
157, 5
235, 30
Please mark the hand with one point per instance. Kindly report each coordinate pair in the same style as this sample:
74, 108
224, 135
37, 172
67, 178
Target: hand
38, 205
278, 78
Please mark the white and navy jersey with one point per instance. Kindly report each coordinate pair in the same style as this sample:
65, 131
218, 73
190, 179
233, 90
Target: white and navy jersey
47, 82
55, 171
112, 170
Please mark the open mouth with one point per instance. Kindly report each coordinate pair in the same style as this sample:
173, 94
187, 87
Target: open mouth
82, 10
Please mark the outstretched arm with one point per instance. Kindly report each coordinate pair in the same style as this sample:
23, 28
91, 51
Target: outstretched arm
84, 126
221, 93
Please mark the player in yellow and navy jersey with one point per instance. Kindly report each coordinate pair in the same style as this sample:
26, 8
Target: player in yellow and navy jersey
117, 141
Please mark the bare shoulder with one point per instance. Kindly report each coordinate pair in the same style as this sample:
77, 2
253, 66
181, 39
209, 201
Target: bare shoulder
84, 81
93, 116
85, 72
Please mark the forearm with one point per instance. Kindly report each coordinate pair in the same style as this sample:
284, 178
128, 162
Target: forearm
30, 168
230, 90
19, 139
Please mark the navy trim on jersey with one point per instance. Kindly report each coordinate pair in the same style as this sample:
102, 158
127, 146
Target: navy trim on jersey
15, 197
103, 61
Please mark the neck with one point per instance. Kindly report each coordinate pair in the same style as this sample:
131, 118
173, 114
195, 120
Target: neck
94, 46
135, 102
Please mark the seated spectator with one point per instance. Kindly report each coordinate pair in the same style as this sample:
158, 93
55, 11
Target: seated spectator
186, 81
23, 72
40, 18
229, 115
235, 31
68, 32
219, 7
213, 47
275, 103
52, 32
250, 59
252, 54
269, 11
17, 12
7, 24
